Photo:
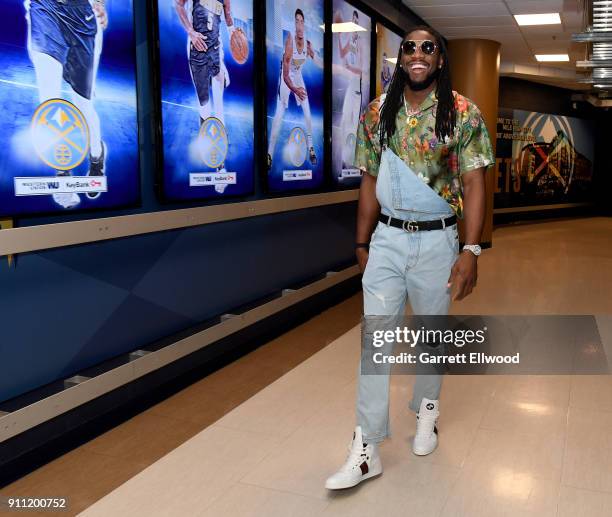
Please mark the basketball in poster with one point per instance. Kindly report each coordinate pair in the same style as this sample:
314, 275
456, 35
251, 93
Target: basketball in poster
294, 44
68, 98
207, 85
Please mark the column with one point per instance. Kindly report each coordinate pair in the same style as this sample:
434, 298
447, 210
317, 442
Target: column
474, 67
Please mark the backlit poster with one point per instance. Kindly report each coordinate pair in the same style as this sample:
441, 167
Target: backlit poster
542, 159
68, 97
294, 42
351, 86
207, 90
387, 49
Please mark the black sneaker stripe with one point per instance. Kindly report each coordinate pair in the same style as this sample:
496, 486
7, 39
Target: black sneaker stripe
364, 468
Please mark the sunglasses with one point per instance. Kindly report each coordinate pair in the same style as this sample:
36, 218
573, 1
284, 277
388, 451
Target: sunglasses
427, 46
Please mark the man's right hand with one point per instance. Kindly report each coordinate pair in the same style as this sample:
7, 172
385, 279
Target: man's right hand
198, 41
301, 93
362, 258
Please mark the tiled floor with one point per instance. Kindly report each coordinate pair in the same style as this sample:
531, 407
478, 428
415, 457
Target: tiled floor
509, 446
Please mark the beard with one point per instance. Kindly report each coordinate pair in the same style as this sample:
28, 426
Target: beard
421, 85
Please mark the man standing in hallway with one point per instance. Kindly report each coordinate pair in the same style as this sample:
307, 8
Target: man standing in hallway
425, 149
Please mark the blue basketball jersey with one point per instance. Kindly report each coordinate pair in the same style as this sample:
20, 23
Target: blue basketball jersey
206, 18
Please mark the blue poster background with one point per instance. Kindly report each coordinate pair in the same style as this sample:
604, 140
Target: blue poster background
280, 21
114, 101
180, 107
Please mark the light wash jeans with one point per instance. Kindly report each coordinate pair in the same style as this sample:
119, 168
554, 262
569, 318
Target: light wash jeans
404, 265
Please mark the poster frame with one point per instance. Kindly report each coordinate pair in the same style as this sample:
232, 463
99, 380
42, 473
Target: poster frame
138, 201
158, 125
325, 185
374, 17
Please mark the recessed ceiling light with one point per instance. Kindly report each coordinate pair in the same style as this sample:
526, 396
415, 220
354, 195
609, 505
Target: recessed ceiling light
347, 27
547, 58
538, 19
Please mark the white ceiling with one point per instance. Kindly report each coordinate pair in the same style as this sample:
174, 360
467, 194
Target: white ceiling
493, 19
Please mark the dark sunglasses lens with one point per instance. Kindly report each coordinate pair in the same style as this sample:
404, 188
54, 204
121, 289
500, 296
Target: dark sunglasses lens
428, 47
409, 47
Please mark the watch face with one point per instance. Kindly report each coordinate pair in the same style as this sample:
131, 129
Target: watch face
473, 248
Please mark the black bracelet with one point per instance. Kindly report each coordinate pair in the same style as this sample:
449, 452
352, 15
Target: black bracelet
365, 245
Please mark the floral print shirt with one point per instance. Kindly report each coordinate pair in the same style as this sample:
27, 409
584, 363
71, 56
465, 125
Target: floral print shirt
439, 164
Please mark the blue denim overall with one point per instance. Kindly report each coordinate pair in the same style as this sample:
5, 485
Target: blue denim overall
404, 264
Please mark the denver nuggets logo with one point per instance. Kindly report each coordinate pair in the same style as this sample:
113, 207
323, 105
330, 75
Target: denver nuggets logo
213, 143
351, 140
60, 134
297, 146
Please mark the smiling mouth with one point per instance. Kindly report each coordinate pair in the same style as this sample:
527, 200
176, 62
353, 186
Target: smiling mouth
417, 67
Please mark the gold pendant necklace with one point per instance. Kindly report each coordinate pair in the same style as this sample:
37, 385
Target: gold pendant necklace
413, 115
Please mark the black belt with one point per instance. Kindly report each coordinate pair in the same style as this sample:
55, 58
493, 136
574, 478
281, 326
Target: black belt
418, 226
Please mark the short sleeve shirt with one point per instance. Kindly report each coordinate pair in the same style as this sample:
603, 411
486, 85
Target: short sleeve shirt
439, 164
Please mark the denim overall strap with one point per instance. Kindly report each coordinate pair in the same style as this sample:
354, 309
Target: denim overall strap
406, 196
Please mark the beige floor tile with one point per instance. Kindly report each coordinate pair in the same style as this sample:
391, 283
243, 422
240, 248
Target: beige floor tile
539, 456
509, 474
404, 488
587, 503
496, 492
553, 390
524, 417
471, 389
591, 392
285, 405
192, 476
318, 447
588, 456
252, 501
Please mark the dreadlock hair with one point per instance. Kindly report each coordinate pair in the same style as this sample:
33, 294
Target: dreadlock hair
446, 112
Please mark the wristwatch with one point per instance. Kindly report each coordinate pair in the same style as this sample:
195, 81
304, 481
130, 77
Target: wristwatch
474, 248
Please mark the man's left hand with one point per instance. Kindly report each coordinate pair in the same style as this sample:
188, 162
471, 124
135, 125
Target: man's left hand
463, 275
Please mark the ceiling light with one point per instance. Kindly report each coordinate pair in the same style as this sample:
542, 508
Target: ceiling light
549, 58
538, 19
347, 27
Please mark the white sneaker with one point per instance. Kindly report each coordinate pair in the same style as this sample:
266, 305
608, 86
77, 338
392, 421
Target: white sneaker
363, 462
426, 437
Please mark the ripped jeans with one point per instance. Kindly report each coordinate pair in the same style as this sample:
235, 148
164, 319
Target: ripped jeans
402, 265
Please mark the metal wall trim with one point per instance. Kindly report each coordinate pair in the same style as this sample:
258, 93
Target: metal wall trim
47, 236
17, 422
536, 208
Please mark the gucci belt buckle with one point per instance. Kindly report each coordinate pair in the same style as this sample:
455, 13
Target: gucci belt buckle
410, 226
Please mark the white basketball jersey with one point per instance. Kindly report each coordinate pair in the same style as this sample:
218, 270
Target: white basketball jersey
298, 58
352, 58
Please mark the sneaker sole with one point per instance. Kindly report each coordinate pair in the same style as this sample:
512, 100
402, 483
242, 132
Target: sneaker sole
424, 452
371, 474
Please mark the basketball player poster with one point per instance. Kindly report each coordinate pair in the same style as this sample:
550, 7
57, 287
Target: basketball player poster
294, 43
68, 99
207, 90
387, 50
351, 86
